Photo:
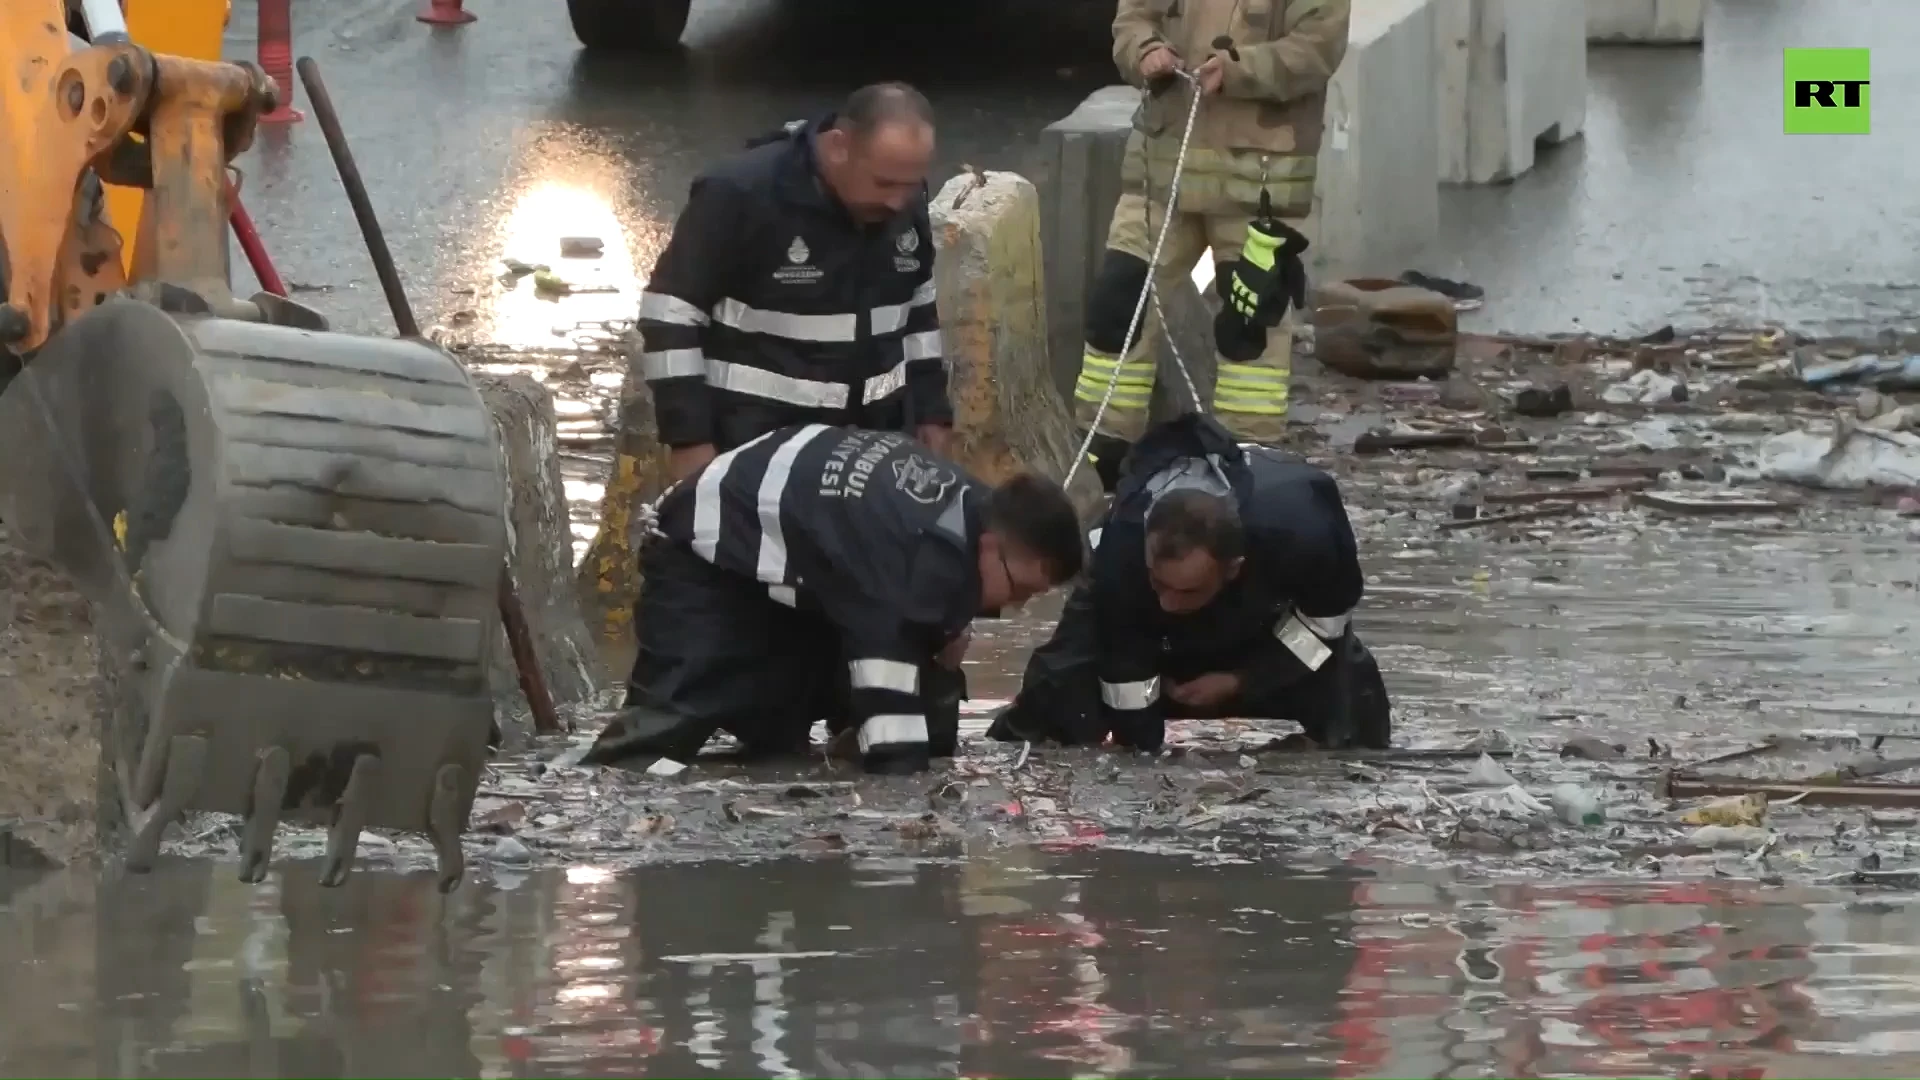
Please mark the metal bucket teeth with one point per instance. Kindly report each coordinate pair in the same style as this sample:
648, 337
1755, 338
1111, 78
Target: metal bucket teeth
293, 540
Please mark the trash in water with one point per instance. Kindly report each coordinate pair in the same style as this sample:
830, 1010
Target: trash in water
1487, 772
1731, 810
1729, 836
1578, 805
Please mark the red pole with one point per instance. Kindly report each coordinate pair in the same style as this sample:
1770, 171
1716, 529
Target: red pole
256, 252
276, 57
445, 13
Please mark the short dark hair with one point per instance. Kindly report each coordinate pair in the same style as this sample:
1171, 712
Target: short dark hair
871, 108
1189, 519
1035, 513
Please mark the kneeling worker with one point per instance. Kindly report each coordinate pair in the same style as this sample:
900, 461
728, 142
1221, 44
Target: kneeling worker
817, 573
1223, 583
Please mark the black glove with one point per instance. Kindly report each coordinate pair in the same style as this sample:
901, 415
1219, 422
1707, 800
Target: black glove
1269, 276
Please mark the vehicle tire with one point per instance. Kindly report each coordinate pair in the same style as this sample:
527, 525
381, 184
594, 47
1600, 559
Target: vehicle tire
629, 25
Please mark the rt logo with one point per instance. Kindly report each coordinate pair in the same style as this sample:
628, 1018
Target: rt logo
1827, 92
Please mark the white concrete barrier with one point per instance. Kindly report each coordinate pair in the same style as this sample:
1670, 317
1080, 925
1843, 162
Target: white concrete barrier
1509, 74
1647, 22
1378, 198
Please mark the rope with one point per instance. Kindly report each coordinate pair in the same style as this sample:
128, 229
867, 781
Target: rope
1151, 288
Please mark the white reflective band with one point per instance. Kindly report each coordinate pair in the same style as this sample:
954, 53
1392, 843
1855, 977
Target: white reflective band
784, 595
673, 364
882, 385
1093, 544
659, 307
896, 675
806, 393
888, 318
1328, 628
925, 345
772, 567
1302, 643
835, 328
706, 500
1128, 696
892, 729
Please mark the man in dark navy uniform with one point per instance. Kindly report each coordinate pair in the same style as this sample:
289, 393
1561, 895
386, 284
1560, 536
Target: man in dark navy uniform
819, 573
798, 287
1224, 582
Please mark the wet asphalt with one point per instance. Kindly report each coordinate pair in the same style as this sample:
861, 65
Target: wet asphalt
1683, 202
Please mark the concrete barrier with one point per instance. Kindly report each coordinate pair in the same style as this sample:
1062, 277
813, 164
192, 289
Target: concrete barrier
539, 547
1378, 196
1008, 413
1079, 182
1509, 74
1647, 22
608, 580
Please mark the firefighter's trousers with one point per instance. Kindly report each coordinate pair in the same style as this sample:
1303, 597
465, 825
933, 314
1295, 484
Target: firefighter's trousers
718, 653
1059, 697
1250, 397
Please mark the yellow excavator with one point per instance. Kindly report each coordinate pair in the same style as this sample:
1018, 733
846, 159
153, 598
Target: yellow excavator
291, 539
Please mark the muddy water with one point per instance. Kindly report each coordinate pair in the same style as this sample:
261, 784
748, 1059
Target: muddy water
1140, 944
1014, 963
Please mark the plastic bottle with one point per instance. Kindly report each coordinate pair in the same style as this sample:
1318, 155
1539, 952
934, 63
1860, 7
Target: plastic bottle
1577, 805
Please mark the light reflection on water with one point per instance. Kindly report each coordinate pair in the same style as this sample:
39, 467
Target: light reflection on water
1008, 963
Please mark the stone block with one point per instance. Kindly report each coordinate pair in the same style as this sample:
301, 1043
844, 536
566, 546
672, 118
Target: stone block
1008, 414
539, 543
1378, 199
608, 579
1647, 22
1510, 74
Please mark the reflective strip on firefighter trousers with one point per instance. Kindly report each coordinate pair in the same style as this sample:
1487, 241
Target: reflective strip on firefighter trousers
1247, 388
896, 675
1130, 696
892, 729
1132, 390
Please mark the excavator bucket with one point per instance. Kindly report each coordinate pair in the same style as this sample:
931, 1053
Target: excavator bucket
292, 541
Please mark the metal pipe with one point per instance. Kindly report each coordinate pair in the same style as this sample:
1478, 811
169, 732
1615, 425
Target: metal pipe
323, 111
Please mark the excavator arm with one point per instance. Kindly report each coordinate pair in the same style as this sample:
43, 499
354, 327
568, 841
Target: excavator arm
291, 539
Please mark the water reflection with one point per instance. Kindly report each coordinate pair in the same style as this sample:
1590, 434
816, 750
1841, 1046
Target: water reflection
1016, 963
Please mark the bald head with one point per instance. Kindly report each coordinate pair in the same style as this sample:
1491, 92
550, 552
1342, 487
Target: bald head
875, 156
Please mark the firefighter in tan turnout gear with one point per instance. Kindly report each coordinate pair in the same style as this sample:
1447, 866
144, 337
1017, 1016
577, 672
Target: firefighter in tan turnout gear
1262, 67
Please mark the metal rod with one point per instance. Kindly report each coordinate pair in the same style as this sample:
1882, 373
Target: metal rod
513, 616
533, 680
1816, 794
250, 243
322, 105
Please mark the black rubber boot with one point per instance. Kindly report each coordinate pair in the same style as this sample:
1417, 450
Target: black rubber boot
1107, 453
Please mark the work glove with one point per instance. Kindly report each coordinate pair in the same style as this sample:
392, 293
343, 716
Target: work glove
1269, 276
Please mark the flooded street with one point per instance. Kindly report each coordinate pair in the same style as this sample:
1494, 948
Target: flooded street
1089, 917
1227, 907
1026, 963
